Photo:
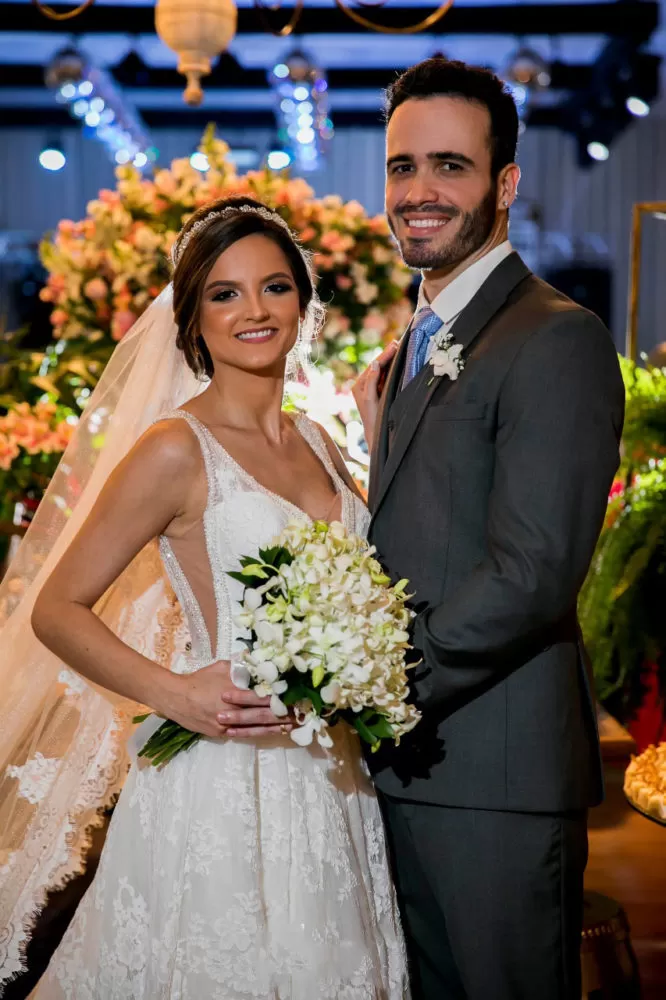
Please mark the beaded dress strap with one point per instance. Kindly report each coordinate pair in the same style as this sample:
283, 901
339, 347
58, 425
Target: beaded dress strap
207, 443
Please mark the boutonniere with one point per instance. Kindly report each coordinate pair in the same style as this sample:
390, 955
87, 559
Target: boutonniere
445, 357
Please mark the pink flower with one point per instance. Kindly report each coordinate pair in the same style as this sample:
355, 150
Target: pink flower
308, 234
354, 210
67, 227
122, 321
375, 321
336, 242
165, 182
379, 225
96, 288
46, 295
59, 317
109, 197
344, 282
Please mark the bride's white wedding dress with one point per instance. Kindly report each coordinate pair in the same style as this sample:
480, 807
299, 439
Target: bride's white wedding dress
241, 870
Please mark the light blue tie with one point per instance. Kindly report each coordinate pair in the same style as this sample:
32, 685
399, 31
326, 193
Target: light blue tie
426, 325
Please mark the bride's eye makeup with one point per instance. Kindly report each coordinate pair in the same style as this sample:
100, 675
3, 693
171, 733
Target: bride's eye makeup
275, 288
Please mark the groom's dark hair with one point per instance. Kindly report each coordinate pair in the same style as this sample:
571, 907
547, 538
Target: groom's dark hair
439, 77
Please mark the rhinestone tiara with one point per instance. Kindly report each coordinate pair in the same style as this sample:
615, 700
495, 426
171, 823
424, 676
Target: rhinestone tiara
264, 213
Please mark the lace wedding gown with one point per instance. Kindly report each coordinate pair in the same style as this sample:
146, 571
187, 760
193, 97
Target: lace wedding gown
240, 871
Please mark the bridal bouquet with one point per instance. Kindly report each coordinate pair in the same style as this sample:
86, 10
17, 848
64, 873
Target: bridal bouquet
327, 639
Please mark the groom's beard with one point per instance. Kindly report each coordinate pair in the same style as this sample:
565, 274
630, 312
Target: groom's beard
427, 255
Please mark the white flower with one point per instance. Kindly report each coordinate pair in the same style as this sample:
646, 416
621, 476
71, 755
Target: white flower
445, 356
310, 726
278, 707
332, 616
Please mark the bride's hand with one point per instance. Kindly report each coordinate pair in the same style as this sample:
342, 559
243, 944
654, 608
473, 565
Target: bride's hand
367, 390
208, 702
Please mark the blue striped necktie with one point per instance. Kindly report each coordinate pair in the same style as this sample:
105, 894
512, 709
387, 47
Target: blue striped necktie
426, 325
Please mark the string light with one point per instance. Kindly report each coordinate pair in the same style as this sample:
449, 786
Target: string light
94, 99
304, 127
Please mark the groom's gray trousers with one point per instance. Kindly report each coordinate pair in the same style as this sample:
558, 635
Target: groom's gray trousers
491, 901
488, 494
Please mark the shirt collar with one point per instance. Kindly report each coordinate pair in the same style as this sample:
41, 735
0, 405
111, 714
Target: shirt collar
452, 300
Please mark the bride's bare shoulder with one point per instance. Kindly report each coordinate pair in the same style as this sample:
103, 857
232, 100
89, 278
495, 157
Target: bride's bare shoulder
170, 446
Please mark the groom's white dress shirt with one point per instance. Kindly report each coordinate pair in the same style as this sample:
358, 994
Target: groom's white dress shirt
452, 300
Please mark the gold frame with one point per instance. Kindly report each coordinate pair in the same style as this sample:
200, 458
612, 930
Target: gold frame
640, 209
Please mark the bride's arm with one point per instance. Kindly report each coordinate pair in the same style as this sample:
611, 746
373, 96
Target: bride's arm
156, 486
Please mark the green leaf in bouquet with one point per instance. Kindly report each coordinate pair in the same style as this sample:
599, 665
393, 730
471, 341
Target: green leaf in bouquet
365, 733
276, 556
251, 582
268, 556
142, 718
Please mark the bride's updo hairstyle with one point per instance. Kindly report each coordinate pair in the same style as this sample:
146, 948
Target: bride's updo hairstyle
208, 233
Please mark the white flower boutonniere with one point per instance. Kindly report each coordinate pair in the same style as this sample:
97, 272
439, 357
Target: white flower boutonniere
445, 357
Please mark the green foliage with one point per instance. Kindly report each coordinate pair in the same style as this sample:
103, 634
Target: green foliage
622, 602
644, 435
63, 370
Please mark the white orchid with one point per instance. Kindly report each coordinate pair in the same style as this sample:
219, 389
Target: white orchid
310, 725
329, 617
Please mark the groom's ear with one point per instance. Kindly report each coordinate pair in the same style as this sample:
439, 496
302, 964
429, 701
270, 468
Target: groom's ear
507, 186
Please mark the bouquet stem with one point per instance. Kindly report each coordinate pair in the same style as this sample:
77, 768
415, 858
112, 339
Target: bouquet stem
167, 741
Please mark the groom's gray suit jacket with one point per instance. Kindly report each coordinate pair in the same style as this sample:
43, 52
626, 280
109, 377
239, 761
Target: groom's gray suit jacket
489, 493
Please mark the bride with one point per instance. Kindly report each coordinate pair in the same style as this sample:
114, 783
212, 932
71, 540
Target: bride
247, 868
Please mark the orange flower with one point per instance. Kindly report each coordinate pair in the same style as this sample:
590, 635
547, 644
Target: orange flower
8, 452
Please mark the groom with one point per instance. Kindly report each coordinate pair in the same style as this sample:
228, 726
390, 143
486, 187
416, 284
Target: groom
488, 490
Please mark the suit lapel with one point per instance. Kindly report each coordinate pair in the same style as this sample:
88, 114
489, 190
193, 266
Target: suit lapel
471, 322
380, 445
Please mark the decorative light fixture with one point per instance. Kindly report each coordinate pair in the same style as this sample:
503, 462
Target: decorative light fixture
197, 31
301, 110
423, 25
527, 68
52, 157
200, 30
637, 106
278, 159
525, 73
598, 151
93, 98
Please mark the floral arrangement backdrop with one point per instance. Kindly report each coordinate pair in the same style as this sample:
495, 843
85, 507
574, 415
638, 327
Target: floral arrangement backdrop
106, 269
622, 602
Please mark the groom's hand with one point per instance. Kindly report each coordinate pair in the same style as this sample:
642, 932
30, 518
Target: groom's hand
368, 389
